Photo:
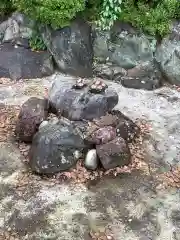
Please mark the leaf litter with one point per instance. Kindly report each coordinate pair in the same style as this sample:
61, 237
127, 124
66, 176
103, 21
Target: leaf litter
79, 174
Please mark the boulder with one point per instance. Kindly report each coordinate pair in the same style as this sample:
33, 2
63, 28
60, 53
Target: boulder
32, 113
168, 55
144, 76
113, 154
21, 63
54, 148
80, 104
123, 45
71, 47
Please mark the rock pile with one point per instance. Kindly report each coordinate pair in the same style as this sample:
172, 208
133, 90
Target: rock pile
85, 126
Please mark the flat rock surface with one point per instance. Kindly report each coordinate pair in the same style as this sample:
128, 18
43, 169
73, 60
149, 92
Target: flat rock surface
130, 206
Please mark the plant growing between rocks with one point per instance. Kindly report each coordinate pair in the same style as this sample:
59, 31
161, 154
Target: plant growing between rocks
109, 13
36, 42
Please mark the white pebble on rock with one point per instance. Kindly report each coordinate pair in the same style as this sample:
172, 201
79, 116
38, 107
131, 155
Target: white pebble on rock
91, 160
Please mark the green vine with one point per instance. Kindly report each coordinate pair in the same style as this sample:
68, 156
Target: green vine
111, 10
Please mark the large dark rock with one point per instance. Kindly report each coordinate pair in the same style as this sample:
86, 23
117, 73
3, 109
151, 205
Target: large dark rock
168, 55
114, 154
71, 47
124, 46
54, 148
81, 104
144, 76
32, 113
21, 63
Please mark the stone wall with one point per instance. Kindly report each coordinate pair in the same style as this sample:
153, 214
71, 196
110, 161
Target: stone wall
124, 54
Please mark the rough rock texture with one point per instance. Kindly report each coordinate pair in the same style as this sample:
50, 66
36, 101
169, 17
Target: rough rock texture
20, 63
168, 55
113, 154
16, 28
144, 76
71, 47
124, 46
131, 54
54, 148
113, 124
32, 113
103, 135
80, 104
125, 128
109, 71
130, 205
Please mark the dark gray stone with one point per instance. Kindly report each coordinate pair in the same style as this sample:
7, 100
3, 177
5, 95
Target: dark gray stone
109, 71
125, 128
21, 63
81, 104
144, 76
114, 154
32, 113
168, 55
71, 47
54, 148
124, 46
23, 42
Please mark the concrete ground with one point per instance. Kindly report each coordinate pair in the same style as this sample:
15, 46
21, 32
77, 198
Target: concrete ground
131, 206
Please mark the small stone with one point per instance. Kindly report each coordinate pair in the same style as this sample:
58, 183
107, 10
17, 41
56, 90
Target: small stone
91, 160
102, 135
98, 87
114, 154
80, 83
33, 112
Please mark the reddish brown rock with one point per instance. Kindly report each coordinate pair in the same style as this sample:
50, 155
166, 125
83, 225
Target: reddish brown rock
114, 154
125, 128
102, 135
32, 113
